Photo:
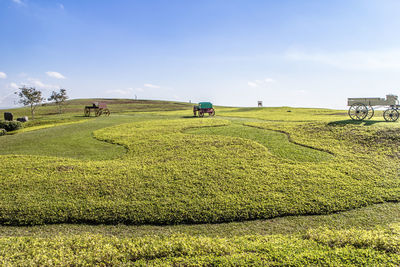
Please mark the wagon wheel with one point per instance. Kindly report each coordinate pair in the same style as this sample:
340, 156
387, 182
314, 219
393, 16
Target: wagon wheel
201, 114
99, 112
106, 112
358, 111
391, 115
87, 112
212, 113
371, 113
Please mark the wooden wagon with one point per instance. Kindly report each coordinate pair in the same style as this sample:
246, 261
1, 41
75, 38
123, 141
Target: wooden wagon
98, 108
204, 107
363, 108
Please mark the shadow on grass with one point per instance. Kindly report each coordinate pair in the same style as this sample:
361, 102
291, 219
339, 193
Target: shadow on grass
188, 117
353, 122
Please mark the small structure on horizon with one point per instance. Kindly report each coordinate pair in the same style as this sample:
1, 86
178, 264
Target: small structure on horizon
259, 104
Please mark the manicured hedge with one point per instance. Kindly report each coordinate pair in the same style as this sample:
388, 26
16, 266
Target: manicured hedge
10, 125
320, 248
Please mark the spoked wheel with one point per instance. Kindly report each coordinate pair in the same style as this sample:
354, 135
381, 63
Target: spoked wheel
99, 112
87, 112
371, 113
106, 112
391, 115
212, 113
358, 111
201, 114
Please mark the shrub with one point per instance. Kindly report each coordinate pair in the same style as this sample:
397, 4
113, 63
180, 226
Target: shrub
3, 132
10, 125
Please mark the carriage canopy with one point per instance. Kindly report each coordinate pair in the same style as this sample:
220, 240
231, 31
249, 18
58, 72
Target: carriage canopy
205, 105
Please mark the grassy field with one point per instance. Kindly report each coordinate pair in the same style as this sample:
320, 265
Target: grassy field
151, 185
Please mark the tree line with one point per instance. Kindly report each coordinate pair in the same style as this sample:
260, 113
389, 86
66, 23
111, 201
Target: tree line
32, 97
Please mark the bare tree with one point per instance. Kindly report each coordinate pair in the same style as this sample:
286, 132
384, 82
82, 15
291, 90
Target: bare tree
30, 97
59, 98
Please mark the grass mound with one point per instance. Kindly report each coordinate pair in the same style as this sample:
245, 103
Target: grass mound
278, 143
171, 177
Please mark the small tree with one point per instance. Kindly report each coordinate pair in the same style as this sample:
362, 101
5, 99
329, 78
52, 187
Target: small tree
30, 97
59, 98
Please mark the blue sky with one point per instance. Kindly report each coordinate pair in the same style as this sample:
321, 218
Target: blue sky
231, 52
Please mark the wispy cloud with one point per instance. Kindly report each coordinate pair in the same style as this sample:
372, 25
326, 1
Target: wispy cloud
261, 83
13, 86
61, 6
149, 85
351, 60
124, 92
19, 2
40, 85
55, 74
3, 75
6, 98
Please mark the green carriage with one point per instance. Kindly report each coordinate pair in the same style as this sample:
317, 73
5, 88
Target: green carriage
204, 107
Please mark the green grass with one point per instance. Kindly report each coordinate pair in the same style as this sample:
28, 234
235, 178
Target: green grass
72, 141
277, 143
49, 111
379, 216
257, 186
169, 177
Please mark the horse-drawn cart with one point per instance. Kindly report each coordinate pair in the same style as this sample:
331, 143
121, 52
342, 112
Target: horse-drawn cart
362, 108
98, 108
204, 107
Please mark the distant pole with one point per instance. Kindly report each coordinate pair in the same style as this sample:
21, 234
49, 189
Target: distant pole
135, 97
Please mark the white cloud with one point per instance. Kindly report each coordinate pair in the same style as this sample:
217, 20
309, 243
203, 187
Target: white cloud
55, 74
300, 92
40, 85
19, 2
252, 84
61, 6
3, 75
124, 92
351, 60
149, 85
13, 86
6, 99
260, 83
120, 92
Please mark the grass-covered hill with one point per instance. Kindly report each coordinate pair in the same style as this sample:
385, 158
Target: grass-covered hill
153, 185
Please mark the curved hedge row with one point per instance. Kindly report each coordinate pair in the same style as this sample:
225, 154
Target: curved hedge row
356, 248
168, 177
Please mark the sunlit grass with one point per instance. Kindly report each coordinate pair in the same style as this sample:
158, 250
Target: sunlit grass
276, 142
